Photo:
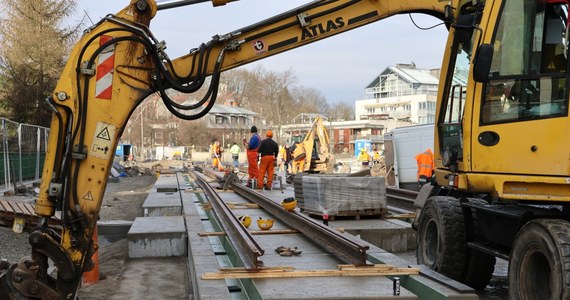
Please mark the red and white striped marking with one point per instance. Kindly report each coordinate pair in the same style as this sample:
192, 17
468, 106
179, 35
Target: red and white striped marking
105, 65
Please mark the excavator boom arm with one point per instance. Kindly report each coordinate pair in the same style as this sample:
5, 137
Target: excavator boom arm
303, 25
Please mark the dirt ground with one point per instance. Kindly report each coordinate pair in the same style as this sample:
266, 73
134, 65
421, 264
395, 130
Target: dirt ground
122, 201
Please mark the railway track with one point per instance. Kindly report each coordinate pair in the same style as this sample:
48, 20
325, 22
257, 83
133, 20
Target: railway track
343, 245
401, 200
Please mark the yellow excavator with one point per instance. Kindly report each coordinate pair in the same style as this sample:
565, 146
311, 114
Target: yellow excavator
502, 136
313, 149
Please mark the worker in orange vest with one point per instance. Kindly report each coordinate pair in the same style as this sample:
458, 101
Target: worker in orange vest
425, 166
251, 151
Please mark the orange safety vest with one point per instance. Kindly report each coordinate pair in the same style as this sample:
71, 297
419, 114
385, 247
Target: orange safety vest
425, 164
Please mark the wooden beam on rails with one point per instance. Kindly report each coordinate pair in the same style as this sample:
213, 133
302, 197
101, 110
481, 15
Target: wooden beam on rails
345, 270
252, 232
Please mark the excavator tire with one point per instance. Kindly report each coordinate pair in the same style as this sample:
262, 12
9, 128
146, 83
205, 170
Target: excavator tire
441, 237
480, 266
540, 261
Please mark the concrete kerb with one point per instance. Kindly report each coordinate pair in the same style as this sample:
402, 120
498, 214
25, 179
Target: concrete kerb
201, 258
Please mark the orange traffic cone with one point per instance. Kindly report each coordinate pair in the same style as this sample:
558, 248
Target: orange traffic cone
92, 277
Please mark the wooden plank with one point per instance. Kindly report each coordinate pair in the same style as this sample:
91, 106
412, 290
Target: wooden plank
402, 216
246, 204
15, 208
373, 271
264, 269
252, 232
233, 205
7, 206
26, 208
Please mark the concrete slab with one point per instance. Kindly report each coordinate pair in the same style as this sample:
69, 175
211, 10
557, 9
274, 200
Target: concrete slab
201, 260
162, 204
314, 257
153, 278
390, 235
157, 237
112, 231
166, 181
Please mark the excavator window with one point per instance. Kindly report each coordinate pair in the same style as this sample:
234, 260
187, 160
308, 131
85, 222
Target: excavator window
528, 77
450, 122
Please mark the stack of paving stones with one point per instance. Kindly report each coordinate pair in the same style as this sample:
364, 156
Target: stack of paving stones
341, 195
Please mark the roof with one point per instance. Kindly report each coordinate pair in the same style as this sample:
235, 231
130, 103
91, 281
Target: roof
408, 74
226, 109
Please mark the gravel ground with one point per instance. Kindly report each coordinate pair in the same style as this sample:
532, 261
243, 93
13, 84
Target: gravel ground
13, 246
122, 201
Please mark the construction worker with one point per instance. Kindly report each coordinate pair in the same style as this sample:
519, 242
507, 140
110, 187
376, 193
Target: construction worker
425, 166
288, 159
376, 157
217, 156
299, 155
251, 151
268, 150
281, 158
235, 150
364, 157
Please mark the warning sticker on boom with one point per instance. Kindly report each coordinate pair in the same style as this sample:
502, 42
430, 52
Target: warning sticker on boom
102, 141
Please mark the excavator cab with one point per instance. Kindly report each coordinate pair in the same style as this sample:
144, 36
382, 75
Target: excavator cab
502, 141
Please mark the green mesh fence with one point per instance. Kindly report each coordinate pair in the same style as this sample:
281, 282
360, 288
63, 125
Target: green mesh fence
22, 153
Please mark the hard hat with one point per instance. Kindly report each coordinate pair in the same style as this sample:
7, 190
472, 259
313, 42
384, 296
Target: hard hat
245, 220
269, 133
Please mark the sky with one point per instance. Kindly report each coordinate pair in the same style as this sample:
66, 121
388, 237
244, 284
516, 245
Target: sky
340, 67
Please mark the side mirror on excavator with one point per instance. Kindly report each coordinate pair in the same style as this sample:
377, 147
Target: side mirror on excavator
482, 63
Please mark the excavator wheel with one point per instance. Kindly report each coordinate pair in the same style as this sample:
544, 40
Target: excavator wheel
441, 237
540, 261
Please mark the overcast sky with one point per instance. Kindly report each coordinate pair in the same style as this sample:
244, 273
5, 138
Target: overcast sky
339, 67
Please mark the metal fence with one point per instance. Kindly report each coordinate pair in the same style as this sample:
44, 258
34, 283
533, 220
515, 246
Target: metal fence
23, 151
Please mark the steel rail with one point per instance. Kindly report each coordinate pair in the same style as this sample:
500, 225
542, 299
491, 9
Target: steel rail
246, 247
401, 198
345, 246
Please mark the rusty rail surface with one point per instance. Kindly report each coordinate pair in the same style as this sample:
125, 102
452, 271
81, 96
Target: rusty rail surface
246, 247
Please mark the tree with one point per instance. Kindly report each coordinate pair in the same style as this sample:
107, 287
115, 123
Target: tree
341, 111
277, 97
34, 50
308, 99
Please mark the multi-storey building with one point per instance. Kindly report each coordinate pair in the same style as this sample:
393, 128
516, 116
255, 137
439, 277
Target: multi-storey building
400, 96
